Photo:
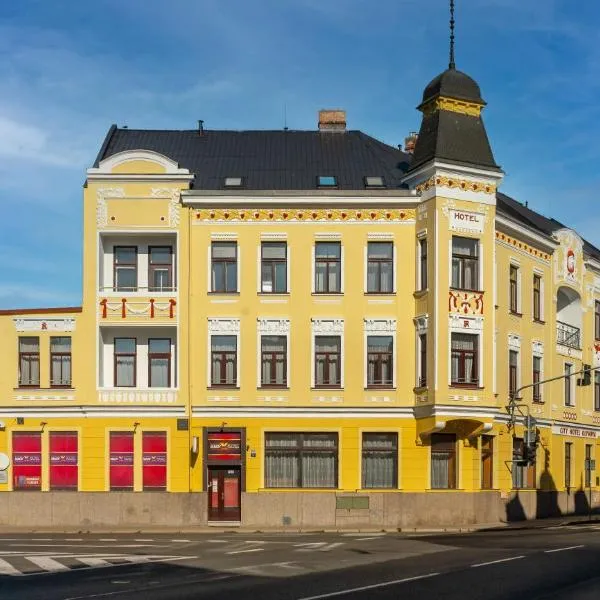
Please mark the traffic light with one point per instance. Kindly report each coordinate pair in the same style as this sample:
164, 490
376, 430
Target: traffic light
530, 440
587, 376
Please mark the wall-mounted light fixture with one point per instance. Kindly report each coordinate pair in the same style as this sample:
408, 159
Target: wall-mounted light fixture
195, 444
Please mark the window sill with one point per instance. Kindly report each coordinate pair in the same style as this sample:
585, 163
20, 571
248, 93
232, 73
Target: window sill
514, 313
273, 387
420, 389
539, 322
272, 294
223, 388
370, 294
325, 388
327, 293
420, 293
466, 386
453, 289
37, 388
539, 402
379, 388
223, 293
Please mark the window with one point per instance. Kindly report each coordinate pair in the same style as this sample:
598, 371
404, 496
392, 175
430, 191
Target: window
423, 264
125, 268
232, 182
125, 359
568, 456
523, 474
301, 460
374, 182
63, 460
380, 367
588, 465
513, 372
159, 362
27, 460
224, 360
273, 361
224, 267
422, 360
465, 263
514, 289
568, 385
121, 461
154, 460
537, 298
597, 320
597, 390
328, 267
487, 462
443, 461
380, 267
328, 361
326, 181
273, 269
60, 361
537, 377
464, 361
160, 268
29, 361
379, 460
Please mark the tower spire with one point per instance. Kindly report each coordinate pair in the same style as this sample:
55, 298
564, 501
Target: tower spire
452, 64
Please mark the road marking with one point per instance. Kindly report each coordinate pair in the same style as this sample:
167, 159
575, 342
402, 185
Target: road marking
374, 534
494, 562
244, 551
187, 541
92, 561
73, 540
365, 539
143, 540
562, 549
7, 569
47, 563
217, 541
320, 546
107, 540
369, 587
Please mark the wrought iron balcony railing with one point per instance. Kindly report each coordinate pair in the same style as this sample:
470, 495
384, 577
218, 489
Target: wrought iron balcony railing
568, 335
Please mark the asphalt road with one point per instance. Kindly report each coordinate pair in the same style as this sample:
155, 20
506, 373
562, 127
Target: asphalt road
533, 564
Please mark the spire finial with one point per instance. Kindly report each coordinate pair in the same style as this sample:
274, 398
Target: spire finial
452, 63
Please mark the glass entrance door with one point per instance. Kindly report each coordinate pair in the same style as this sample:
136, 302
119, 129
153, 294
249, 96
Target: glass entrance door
224, 494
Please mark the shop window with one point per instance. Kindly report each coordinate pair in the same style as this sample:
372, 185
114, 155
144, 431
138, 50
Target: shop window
487, 462
60, 361
587, 466
568, 457
379, 460
63, 460
273, 268
380, 267
121, 461
154, 460
27, 460
301, 460
443, 461
29, 361
380, 367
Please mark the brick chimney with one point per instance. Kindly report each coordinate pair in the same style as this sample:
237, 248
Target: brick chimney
410, 142
332, 120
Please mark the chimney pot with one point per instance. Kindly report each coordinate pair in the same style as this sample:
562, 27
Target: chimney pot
332, 120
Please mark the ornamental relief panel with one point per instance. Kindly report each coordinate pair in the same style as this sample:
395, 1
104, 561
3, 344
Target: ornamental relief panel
227, 326
280, 215
273, 326
380, 326
44, 324
327, 326
465, 303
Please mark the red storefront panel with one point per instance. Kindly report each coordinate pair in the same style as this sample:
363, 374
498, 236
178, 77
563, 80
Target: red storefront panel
63, 460
154, 460
224, 446
27, 460
121, 460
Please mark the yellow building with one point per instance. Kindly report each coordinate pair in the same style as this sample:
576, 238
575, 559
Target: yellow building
307, 328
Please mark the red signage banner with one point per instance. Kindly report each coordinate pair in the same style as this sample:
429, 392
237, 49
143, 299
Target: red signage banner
225, 446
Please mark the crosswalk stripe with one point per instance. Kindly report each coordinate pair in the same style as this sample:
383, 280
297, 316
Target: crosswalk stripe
7, 569
47, 563
90, 561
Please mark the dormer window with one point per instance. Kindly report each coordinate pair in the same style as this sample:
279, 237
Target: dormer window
233, 182
374, 182
327, 181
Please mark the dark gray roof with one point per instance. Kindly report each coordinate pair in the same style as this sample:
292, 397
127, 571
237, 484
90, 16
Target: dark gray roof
523, 214
455, 138
453, 84
268, 160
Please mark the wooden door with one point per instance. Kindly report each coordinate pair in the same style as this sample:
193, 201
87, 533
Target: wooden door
224, 494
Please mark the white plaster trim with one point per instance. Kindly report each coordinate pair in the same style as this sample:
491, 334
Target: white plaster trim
271, 326
514, 341
421, 323
526, 234
327, 327
223, 326
23, 324
380, 236
224, 236
375, 326
108, 164
325, 411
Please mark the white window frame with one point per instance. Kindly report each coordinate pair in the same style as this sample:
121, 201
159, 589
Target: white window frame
380, 237
475, 329
378, 327
223, 326
326, 237
326, 327
479, 260
282, 238
224, 237
271, 327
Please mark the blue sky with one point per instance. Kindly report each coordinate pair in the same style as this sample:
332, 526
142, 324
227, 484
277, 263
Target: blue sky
70, 68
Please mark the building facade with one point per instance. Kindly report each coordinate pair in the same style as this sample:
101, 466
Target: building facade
308, 328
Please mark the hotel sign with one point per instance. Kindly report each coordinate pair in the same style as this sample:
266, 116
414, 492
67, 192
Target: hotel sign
463, 220
574, 431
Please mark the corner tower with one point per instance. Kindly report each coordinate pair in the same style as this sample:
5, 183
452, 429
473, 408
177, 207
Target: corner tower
456, 176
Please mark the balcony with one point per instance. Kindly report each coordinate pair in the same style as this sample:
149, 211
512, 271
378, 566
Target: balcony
137, 308
568, 335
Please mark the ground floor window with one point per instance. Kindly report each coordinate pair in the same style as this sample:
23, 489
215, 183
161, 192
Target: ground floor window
443, 461
301, 460
27, 460
487, 462
568, 456
63, 460
154, 460
121, 461
523, 474
379, 460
